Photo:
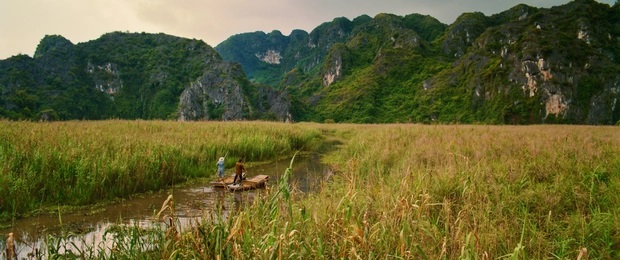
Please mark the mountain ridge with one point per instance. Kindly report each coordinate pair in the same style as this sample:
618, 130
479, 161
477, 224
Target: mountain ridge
525, 65
393, 68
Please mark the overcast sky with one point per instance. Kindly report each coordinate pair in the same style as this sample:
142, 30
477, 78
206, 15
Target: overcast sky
23, 23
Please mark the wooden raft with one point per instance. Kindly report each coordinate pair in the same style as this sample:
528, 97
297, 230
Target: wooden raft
257, 181
222, 183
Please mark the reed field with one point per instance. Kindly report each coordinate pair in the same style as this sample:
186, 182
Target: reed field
397, 191
79, 163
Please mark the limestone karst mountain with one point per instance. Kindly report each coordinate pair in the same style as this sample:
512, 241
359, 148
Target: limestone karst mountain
522, 66
525, 65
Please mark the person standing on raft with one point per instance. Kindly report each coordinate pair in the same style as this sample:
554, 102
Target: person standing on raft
11, 252
221, 166
239, 171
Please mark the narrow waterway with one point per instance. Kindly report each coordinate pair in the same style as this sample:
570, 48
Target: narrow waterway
191, 204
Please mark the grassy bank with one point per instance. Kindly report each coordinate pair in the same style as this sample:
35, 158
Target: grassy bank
474, 191
409, 192
78, 163
439, 192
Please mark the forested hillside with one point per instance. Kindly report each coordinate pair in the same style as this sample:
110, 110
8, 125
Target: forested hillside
130, 76
525, 65
522, 66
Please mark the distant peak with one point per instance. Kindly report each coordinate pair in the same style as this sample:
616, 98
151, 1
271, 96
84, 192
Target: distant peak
52, 43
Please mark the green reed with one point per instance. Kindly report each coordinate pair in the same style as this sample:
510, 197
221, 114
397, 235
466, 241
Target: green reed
78, 163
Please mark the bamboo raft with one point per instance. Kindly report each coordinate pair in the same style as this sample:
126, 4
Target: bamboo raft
255, 182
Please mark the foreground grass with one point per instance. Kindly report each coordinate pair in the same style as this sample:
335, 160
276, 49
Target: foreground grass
79, 163
433, 192
428, 192
474, 192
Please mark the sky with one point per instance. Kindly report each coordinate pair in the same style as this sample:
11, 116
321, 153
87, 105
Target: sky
23, 23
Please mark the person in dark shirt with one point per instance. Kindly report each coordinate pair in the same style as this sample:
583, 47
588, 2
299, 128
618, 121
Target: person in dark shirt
239, 171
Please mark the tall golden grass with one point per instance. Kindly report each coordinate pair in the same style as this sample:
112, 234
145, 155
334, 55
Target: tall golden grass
443, 192
407, 192
475, 192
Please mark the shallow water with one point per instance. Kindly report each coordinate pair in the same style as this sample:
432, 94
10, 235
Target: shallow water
191, 205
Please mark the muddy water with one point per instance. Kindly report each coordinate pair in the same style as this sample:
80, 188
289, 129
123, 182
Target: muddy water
191, 205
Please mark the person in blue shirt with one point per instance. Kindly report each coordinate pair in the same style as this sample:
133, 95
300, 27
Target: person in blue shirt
220, 168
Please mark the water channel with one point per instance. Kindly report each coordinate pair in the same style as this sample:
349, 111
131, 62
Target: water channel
191, 204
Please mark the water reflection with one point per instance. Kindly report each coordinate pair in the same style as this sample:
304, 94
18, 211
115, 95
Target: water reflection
191, 205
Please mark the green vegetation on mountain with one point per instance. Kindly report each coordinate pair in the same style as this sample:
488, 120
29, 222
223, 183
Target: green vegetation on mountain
525, 65
155, 69
64, 78
124, 75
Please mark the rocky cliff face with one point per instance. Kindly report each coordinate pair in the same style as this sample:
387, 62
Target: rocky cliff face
222, 93
462, 33
214, 95
106, 77
267, 56
274, 104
